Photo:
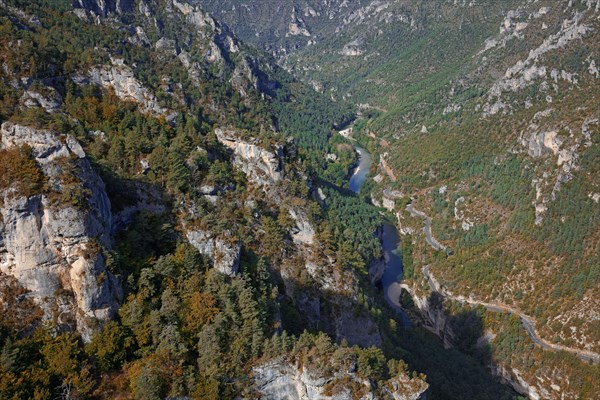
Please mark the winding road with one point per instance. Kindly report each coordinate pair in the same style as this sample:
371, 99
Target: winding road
427, 228
527, 321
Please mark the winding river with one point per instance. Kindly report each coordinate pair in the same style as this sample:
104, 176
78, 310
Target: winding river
392, 275
393, 272
360, 173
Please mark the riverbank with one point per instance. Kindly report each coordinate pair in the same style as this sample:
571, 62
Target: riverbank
390, 243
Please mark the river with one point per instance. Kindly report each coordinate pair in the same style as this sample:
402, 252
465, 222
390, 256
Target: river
392, 275
360, 173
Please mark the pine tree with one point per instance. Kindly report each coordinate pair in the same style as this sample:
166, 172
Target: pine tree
178, 174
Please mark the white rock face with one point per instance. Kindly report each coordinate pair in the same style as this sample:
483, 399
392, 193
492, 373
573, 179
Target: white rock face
566, 150
388, 199
49, 101
105, 7
281, 380
388, 204
167, 46
459, 214
51, 247
514, 378
436, 321
352, 49
304, 232
537, 144
295, 29
121, 78
224, 254
184, 8
525, 72
261, 166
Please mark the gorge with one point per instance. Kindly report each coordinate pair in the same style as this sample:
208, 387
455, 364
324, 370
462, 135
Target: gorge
390, 242
183, 217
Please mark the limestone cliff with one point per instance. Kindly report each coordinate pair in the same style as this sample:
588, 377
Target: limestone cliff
120, 78
260, 165
52, 246
224, 252
279, 379
105, 7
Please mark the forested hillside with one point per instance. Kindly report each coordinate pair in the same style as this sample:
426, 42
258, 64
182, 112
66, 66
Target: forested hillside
158, 217
176, 220
483, 115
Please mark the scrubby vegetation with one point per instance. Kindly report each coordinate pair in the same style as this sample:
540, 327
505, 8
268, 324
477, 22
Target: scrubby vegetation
21, 172
186, 330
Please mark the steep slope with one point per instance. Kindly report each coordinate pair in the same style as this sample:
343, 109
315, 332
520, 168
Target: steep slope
497, 161
54, 230
286, 26
153, 174
485, 116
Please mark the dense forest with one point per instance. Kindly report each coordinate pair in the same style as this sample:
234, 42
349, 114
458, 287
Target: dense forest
298, 293
183, 329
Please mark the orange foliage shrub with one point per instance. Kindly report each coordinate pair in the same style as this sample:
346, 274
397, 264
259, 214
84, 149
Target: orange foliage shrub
18, 169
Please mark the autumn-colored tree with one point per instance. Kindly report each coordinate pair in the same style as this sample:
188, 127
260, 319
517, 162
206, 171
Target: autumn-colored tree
199, 309
21, 171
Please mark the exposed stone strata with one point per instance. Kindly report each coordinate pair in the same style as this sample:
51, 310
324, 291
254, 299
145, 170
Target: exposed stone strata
50, 101
279, 379
304, 232
525, 72
566, 149
261, 166
224, 252
105, 7
122, 80
52, 247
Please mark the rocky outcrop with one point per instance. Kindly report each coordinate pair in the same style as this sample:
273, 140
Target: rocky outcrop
519, 384
304, 232
403, 387
356, 329
105, 7
224, 252
435, 319
54, 249
222, 42
167, 47
279, 379
540, 143
122, 80
352, 49
50, 101
565, 145
261, 166
526, 72
297, 26
389, 197
376, 270
195, 16
459, 214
